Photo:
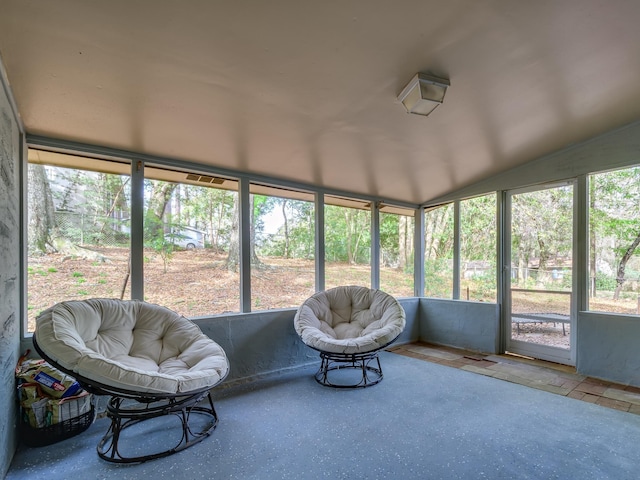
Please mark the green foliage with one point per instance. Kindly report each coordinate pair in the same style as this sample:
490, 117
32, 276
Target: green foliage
77, 274
347, 235
297, 239
614, 224
156, 239
438, 278
164, 248
605, 282
37, 271
478, 228
389, 228
542, 226
439, 233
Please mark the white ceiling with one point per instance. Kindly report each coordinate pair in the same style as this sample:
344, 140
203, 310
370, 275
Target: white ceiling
306, 90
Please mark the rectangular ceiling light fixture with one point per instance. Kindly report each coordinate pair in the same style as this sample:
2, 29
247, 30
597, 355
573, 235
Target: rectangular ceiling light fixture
423, 94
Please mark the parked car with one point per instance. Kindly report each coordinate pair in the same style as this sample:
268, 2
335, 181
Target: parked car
186, 237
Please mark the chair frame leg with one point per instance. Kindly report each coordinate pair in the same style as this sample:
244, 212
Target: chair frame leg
367, 363
124, 414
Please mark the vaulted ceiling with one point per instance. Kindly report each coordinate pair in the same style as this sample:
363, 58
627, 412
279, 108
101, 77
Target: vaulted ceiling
307, 91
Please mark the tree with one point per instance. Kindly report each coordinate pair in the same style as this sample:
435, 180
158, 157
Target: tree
592, 238
301, 228
156, 206
614, 218
396, 241
347, 234
439, 233
233, 258
154, 221
623, 264
542, 227
41, 210
405, 243
115, 203
286, 228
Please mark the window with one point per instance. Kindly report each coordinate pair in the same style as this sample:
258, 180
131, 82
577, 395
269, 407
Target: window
478, 249
191, 242
78, 212
438, 252
396, 253
347, 234
614, 241
80, 230
283, 247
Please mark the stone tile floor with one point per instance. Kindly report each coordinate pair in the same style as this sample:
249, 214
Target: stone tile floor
548, 376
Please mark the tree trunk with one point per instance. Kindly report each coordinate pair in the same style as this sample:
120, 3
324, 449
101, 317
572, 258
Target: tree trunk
623, 265
41, 210
117, 203
234, 245
255, 261
402, 242
348, 216
126, 278
592, 239
543, 257
70, 189
286, 228
221, 210
157, 206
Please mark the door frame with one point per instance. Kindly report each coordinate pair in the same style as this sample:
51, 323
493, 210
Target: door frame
543, 352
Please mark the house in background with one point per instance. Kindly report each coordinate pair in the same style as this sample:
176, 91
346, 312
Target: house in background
303, 101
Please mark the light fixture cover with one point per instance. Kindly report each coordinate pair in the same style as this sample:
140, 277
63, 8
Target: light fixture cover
423, 93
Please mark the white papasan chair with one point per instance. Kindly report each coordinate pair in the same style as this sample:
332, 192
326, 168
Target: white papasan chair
348, 325
149, 359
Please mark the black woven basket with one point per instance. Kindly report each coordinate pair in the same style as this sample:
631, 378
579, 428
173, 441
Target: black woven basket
39, 437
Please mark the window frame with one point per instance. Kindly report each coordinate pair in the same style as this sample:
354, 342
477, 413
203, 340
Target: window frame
139, 163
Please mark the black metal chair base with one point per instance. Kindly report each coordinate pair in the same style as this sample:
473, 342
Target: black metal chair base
125, 414
364, 362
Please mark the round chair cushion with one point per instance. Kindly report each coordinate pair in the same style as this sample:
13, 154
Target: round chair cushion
349, 319
131, 345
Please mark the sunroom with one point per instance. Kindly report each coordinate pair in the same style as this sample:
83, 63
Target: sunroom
230, 161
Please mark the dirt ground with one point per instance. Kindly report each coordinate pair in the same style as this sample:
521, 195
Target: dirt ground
195, 283
547, 333
198, 282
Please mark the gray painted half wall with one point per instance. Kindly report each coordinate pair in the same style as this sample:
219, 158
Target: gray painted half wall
264, 343
469, 325
260, 344
608, 347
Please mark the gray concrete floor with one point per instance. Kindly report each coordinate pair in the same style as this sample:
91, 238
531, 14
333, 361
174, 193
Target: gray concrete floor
424, 420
